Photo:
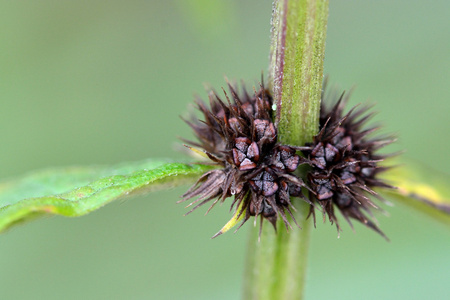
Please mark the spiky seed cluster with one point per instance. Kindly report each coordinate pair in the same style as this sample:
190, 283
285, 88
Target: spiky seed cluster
238, 134
345, 164
240, 137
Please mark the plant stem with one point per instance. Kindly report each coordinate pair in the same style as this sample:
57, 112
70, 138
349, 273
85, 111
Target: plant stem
296, 66
276, 265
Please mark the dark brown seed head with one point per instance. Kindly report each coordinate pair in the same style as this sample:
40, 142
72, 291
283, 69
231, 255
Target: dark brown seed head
345, 164
238, 135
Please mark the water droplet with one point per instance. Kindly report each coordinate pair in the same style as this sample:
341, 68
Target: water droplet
274, 106
233, 191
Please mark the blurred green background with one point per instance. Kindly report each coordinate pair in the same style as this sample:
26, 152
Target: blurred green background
101, 82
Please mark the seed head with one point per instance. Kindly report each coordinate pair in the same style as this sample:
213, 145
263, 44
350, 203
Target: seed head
345, 164
238, 135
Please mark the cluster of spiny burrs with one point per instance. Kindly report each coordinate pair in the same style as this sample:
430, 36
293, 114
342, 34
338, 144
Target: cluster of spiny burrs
239, 136
345, 164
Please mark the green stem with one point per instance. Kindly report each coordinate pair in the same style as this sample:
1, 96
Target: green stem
276, 265
296, 66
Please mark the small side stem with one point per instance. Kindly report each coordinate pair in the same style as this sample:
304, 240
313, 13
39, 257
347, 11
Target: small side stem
276, 265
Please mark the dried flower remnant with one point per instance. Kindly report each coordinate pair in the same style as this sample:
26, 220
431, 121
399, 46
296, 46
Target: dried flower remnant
345, 164
239, 136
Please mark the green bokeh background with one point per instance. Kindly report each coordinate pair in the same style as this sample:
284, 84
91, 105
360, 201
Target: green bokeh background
101, 82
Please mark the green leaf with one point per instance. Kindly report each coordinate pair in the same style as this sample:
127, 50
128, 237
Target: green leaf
422, 188
76, 191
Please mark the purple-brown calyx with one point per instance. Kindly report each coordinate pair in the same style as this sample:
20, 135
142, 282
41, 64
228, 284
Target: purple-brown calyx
245, 153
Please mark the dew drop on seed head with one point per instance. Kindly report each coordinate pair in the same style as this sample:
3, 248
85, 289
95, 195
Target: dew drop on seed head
233, 191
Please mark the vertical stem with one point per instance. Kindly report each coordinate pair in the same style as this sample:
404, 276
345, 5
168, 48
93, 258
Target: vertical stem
276, 266
296, 66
